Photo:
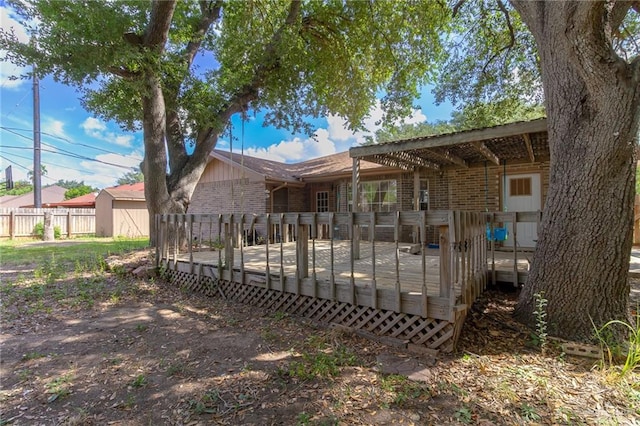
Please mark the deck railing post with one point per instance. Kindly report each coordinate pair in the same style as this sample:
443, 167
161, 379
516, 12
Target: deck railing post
282, 275
515, 248
228, 245
189, 239
267, 242
332, 276
302, 251
396, 238
314, 236
241, 227
423, 246
445, 261
374, 284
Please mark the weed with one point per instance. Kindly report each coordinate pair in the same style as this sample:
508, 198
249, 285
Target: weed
139, 381
529, 413
322, 364
38, 231
279, 315
463, 415
402, 389
177, 369
540, 336
23, 375
632, 358
207, 403
303, 419
58, 387
32, 355
269, 335
142, 327
130, 402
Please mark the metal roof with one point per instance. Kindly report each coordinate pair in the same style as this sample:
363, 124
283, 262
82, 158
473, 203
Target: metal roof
524, 141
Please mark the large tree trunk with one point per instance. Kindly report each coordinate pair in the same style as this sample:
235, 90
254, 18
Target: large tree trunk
581, 261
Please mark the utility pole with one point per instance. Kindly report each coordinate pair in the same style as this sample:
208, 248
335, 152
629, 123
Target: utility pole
37, 168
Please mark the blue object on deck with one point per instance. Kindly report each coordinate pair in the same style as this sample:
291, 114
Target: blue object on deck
499, 234
433, 246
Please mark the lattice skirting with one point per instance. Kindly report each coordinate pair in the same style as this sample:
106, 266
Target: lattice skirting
396, 328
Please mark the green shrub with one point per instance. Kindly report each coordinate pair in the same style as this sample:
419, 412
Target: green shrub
38, 231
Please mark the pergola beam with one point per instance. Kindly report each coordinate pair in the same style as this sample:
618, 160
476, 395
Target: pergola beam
451, 139
448, 157
527, 143
414, 160
486, 152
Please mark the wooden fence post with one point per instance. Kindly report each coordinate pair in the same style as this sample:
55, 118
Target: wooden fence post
12, 223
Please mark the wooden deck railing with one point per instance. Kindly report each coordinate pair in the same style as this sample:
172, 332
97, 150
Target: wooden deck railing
500, 219
462, 249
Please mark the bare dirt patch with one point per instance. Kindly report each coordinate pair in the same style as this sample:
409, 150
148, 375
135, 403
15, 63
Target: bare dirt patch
153, 354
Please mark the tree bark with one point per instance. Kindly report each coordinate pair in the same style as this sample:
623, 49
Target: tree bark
581, 262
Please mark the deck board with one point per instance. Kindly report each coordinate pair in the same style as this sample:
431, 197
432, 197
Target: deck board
410, 264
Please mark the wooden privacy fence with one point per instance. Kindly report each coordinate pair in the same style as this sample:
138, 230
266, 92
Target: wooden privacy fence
362, 273
22, 221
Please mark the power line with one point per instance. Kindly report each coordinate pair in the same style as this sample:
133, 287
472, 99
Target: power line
47, 150
9, 129
61, 151
21, 166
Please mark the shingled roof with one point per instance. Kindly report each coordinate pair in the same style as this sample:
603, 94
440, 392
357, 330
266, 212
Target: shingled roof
334, 165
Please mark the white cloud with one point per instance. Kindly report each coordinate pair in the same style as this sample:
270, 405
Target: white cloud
8, 70
335, 138
297, 149
105, 175
54, 127
98, 129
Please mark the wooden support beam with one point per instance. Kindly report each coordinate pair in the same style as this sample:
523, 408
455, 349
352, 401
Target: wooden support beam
527, 143
447, 156
497, 132
486, 152
413, 160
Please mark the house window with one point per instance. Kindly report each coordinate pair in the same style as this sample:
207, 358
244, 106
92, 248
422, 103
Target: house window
520, 187
376, 196
322, 201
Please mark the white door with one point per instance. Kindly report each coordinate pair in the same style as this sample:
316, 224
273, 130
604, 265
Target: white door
523, 194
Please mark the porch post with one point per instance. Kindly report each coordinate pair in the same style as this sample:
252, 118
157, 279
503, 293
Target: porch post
416, 201
355, 197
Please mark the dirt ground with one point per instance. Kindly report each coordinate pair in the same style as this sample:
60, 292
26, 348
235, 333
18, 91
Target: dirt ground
154, 354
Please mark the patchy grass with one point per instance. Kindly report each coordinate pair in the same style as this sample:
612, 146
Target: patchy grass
87, 251
85, 342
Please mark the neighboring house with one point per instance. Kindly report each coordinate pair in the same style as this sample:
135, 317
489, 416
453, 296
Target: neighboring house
86, 201
122, 211
49, 195
493, 169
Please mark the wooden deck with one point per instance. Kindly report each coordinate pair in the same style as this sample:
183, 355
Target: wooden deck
410, 273
377, 288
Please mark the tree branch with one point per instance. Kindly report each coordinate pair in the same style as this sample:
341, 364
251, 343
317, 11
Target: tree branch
210, 14
512, 36
157, 32
125, 73
456, 7
249, 92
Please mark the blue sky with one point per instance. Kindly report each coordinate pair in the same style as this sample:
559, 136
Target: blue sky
78, 146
